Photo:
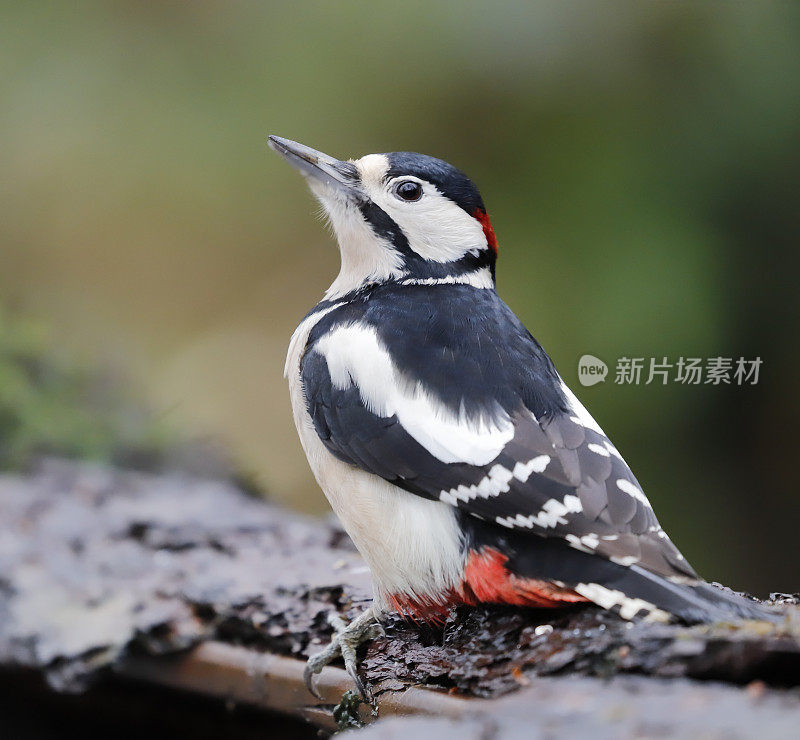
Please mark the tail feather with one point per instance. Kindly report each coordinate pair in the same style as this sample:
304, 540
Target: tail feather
736, 604
635, 590
631, 590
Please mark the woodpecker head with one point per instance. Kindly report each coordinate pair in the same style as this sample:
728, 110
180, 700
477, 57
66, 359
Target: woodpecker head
402, 217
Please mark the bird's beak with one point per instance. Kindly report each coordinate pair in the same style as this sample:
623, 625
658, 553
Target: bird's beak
314, 164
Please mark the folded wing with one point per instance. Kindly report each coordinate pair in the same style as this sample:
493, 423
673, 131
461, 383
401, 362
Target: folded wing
548, 471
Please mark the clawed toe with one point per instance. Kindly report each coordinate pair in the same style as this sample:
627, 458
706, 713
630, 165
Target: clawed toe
310, 680
345, 642
315, 665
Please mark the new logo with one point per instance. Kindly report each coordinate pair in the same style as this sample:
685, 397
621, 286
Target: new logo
591, 370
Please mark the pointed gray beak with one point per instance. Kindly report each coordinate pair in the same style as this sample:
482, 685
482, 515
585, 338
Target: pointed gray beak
310, 162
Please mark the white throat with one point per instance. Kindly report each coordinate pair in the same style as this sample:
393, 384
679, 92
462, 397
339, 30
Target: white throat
365, 256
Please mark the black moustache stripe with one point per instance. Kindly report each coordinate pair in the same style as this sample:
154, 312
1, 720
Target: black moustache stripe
387, 228
384, 226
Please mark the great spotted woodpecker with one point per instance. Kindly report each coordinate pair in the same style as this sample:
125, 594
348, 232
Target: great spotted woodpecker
457, 459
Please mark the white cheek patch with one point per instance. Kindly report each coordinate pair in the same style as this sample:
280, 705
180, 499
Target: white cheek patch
355, 356
436, 228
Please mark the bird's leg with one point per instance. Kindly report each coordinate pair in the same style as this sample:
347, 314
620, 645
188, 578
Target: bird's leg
345, 642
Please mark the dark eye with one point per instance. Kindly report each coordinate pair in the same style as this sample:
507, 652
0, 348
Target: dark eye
408, 190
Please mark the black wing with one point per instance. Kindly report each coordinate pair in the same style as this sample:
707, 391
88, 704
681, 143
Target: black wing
557, 475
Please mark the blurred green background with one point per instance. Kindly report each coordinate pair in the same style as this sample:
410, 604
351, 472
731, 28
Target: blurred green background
640, 162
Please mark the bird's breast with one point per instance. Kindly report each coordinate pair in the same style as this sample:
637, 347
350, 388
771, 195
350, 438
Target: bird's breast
412, 545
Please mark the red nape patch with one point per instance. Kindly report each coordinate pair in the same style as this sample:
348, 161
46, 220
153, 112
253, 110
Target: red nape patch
486, 578
488, 231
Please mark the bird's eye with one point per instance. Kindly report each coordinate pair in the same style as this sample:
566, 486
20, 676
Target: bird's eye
408, 190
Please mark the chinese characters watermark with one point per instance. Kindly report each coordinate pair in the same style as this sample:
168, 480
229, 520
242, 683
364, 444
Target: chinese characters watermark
684, 370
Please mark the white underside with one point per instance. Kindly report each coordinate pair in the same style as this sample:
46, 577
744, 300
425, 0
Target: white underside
411, 545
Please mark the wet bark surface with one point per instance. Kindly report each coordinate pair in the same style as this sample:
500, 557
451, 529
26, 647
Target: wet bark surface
622, 707
98, 564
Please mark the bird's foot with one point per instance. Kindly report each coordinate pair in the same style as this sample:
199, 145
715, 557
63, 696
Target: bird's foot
345, 642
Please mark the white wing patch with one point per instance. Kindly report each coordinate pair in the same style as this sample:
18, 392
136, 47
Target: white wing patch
551, 514
632, 490
522, 471
495, 482
585, 419
355, 356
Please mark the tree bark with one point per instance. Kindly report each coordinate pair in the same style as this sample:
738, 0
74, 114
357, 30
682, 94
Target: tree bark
190, 583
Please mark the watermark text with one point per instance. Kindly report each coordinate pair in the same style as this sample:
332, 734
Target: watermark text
663, 370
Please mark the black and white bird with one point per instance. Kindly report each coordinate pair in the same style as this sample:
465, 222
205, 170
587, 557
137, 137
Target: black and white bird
457, 459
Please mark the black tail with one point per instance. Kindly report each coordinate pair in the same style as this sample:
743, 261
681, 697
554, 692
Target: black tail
629, 590
691, 602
